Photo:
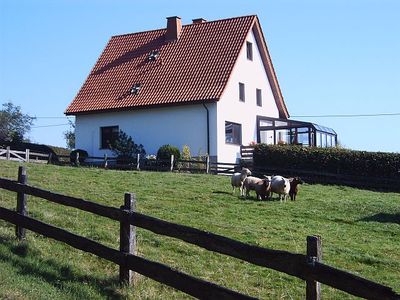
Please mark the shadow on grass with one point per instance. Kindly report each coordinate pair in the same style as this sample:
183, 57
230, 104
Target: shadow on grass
28, 262
222, 192
382, 218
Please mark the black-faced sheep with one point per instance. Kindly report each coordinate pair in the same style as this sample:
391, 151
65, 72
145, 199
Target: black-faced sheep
238, 178
294, 182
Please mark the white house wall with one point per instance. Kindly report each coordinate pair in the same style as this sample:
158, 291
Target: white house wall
175, 125
230, 108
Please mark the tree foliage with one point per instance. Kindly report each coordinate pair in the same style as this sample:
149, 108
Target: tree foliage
69, 135
125, 147
14, 125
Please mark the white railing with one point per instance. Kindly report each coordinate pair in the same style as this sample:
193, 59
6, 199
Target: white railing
23, 156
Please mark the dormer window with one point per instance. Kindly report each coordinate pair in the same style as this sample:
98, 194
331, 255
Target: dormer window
153, 55
135, 89
249, 47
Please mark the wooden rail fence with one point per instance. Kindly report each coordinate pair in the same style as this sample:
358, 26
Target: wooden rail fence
307, 267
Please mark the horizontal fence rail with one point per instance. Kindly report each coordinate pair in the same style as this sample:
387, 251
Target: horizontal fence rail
193, 286
293, 264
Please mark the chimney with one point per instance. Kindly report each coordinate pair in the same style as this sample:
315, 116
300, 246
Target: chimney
199, 20
174, 28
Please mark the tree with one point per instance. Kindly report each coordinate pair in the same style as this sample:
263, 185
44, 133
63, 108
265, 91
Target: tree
14, 125
124, 146
69, 135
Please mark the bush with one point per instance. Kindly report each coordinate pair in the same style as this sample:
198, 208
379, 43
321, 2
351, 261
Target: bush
82, 156
165, 152
125, 148
327, 160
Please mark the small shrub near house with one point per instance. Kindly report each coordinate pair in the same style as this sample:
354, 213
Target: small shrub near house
165, 152
126, 149
185, 155
327, 160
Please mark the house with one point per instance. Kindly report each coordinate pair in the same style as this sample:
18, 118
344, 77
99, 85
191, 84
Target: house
205, 85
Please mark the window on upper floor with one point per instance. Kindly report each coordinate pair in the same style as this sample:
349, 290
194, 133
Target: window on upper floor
233, 133
249, 48
108, 136
242, 94
259, 97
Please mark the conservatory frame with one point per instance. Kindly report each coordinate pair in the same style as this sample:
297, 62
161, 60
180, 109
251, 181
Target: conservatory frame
275, 131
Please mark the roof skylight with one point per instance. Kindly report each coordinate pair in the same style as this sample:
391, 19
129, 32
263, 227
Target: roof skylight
153, 55
135, 89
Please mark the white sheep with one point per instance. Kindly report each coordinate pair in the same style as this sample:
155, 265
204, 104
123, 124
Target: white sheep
281, 186
238, 178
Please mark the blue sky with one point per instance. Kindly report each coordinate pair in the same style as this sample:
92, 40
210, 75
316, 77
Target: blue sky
332, 57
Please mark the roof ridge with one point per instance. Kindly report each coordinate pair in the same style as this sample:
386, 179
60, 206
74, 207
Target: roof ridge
139, 32
207, 22
222, 20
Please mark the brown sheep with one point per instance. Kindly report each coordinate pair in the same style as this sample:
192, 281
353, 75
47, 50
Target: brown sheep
263, 190
294, 189
262, 187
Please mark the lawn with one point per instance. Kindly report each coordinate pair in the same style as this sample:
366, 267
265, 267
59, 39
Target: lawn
360, 232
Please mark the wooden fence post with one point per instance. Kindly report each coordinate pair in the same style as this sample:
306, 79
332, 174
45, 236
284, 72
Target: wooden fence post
127, 238
8, 153
207, 164
138, 162
314, 254
21, 202
27, 155
172, 162
77, 159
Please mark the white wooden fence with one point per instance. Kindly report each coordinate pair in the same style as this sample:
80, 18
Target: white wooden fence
23, 156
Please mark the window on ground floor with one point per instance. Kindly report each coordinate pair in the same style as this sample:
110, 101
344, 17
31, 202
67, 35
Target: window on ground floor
108, 135
233, 133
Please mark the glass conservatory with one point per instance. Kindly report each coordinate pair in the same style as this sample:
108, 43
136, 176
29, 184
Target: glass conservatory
274, 131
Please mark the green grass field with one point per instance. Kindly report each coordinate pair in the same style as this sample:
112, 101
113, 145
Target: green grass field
360, 232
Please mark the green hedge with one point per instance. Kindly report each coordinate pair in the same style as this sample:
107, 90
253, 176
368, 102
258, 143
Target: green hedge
327, 160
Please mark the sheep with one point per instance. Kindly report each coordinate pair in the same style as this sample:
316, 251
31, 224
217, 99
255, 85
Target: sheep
263, 189
294, 182
281, 186
260, 186
238, 178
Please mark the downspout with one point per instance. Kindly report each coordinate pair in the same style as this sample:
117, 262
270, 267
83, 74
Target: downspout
208, 129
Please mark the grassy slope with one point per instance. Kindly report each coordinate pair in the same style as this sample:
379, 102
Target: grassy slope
359, 229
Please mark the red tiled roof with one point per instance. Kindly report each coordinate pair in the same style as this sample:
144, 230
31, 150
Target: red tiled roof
195, 67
